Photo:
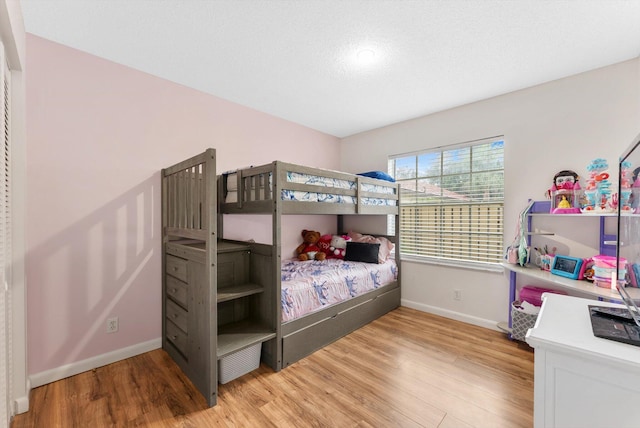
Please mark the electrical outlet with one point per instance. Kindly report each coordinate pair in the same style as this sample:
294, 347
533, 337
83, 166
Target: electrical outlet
457, 294
112, 325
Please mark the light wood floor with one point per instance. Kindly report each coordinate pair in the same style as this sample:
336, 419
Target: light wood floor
406, 369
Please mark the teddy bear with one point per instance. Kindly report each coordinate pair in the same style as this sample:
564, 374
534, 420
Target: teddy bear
338, 246
309, 249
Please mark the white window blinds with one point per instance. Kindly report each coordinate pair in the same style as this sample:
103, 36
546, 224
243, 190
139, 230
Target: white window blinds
452, 202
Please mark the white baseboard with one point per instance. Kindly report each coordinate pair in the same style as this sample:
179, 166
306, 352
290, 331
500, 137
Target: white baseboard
458, 316
21, 404
48, 376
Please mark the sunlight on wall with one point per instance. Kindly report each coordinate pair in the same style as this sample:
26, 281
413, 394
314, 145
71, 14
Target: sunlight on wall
140, 223
121, 241
99, 321
95, 268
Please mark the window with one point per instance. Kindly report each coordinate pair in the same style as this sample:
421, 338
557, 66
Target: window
451, 202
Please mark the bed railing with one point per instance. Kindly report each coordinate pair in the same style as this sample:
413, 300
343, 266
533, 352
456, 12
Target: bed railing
189, 195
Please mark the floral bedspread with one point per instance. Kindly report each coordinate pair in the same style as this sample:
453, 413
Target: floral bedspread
313, 285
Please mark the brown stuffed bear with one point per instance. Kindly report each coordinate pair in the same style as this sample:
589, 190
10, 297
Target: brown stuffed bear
309, 249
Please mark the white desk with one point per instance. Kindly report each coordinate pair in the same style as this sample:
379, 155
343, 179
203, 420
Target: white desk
581, 381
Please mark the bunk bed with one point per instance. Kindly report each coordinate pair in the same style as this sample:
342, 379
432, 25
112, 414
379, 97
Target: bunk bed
280, 189
222, 298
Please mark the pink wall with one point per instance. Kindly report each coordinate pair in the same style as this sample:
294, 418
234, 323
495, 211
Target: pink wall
98, 134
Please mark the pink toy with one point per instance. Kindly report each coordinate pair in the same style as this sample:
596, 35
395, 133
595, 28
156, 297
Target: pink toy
324, 243
565, 193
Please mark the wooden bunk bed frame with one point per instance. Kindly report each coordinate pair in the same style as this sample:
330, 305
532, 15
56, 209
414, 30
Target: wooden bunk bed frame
203, 277
258, 190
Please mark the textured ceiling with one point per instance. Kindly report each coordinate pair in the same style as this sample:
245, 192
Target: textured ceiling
295, 59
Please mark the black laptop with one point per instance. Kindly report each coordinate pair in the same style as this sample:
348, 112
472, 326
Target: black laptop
618, 324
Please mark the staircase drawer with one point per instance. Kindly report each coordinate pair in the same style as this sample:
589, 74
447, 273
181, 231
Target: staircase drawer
177, 267
177, 337
177, 315
178, 291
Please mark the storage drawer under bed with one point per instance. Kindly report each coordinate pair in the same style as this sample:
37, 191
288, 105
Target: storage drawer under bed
306, 340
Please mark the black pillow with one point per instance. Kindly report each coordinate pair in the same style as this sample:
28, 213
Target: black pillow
362, 252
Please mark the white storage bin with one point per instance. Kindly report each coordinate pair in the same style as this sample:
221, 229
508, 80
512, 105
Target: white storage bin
239, 363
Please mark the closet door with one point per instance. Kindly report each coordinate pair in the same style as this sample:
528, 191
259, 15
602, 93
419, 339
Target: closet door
6, 349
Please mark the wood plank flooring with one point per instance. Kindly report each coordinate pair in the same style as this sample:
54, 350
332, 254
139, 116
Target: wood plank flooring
406, 369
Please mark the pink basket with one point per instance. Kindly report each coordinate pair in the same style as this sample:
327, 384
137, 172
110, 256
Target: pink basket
603, 261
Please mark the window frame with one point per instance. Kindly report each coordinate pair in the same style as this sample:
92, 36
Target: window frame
496, 201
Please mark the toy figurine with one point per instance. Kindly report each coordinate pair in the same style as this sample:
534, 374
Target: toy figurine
598, 190
565, 193
634, 200
564, 203
600, 198
625, 188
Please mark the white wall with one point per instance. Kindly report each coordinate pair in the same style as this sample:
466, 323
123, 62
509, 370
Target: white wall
562, 124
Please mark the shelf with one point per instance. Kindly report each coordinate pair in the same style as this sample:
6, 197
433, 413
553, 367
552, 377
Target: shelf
581, 286
230, 247
237, 291
237, 336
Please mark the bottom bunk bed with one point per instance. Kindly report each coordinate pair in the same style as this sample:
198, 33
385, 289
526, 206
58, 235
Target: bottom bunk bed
302, 336
322, 301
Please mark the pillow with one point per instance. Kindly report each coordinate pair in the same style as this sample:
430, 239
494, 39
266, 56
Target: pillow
379, 175
386, 246
362, 252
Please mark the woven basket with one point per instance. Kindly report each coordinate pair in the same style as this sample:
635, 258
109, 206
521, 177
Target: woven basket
521, 322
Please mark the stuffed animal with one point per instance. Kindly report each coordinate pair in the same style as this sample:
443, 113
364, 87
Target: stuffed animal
324, 243
309, 249
338, 246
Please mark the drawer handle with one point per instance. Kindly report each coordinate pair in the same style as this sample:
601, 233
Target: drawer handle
175, 268
174, 337
174, 290
175, 316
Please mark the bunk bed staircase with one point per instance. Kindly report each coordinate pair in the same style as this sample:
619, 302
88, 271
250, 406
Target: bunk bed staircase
217, 308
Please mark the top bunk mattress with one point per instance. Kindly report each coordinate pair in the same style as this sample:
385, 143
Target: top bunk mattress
304, 184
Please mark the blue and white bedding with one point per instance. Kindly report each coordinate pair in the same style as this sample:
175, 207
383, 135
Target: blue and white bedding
320, 196
314, 285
